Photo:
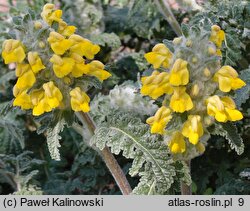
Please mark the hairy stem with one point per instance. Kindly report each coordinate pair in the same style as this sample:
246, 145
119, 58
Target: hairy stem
186, 189
164, 8
108, 157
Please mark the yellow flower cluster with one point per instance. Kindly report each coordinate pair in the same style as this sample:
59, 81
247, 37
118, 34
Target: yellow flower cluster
160, 56
45, 79
217, 37
223, 109
160, 120
192, 90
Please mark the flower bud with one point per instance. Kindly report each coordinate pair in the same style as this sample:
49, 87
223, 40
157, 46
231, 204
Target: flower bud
177, 40
194, 59
79, 100
13, 51
38, 25
189, 43
178, 55
211, 51
208, 120
206, 72
195, 90
200, 147
16, 91
67, 80
48, 6
41, 44
215, 28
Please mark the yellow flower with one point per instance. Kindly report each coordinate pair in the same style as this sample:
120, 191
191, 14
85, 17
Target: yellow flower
200, 147
38, 25
180, 100
80, 67
193, 129
228, 79
156, 85
218, 52
55, 16
177, 40
207, 72
26, 77
62, 66
179, 74
66, 30
232, 113
159, 121
58, 43
39, 102
195, 90
67, 80
96, 68
160, 56
223, 109
52, 94
217, 35
49, 15
17, 91
47, 9
177, 143
22, 99
83, 47
79, 100
13, 51
35, 62
47, 99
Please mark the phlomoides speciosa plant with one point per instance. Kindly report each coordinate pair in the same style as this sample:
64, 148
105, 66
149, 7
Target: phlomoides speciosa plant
195, 92
55, 69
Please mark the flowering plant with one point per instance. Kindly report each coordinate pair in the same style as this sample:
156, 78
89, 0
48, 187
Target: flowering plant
195, 88
84, 84
49, 66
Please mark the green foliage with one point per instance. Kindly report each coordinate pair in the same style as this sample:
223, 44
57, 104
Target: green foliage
122, 28
230, 133
109, 39
86, 15
53, 139
129, 66
30, 190
151, 158
80, 171
141, 18
189, 5
5, 107
116, 20
17, 171
52, 124
144, 18
11, 133
219, 170
5, 80
233, 18
243, 94
234, 187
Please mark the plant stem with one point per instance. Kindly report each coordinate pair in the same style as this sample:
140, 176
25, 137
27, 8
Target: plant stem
186, 189
108, 157
164, 8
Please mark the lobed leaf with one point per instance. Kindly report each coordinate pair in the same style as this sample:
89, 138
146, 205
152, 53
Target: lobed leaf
151, 158
229, 132
242, 95
53, 139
